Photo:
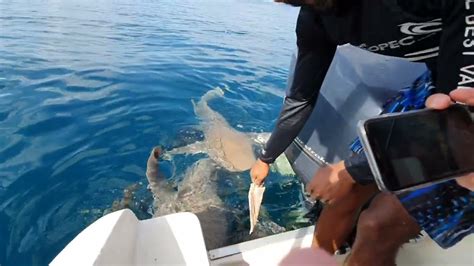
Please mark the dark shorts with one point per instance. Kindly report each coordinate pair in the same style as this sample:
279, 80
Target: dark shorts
444, 211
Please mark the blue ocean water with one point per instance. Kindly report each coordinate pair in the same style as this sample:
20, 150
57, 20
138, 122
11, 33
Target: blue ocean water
87, 88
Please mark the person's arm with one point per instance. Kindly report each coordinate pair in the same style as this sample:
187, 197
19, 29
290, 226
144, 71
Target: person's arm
315, 54
455, 63
359, 169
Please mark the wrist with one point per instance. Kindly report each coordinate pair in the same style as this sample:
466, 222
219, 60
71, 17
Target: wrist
261, 162
359, 170
348, 177
344, 174
265, 157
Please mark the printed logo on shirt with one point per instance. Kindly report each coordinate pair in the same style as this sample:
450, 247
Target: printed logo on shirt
421, 28
466, 73
389, 45
416, 31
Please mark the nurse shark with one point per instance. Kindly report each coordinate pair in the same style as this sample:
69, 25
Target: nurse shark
227, 149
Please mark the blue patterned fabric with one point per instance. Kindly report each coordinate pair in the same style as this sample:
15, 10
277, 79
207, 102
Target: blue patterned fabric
444, 211
409, 98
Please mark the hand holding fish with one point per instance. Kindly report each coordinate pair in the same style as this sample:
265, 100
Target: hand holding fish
259, 172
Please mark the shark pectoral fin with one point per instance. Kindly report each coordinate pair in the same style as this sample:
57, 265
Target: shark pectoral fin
194, 104
259, 139
193, 148
226, 88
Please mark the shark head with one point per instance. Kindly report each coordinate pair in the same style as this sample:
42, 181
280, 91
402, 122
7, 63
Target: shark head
152, 165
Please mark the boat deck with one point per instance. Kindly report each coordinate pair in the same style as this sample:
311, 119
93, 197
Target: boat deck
293, 248
119, 238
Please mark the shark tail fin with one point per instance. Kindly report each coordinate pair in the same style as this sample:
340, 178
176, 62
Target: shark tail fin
201, 108
211, 94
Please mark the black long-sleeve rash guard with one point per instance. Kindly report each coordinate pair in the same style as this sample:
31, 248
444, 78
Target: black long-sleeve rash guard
437, 32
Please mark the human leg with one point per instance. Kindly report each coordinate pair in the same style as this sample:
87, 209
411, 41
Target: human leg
382, 229
337, 220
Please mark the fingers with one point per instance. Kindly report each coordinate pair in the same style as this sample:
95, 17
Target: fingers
463, 95
315, 193
441, 101
316, 186
254, 178
258, 181
259, 172
324, 198
466, 181
311, 191
257, 178
438, 101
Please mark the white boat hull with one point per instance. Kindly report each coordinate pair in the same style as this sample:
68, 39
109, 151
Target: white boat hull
120, 238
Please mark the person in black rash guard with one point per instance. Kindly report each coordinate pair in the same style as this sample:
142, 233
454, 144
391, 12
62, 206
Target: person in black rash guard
439, 33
